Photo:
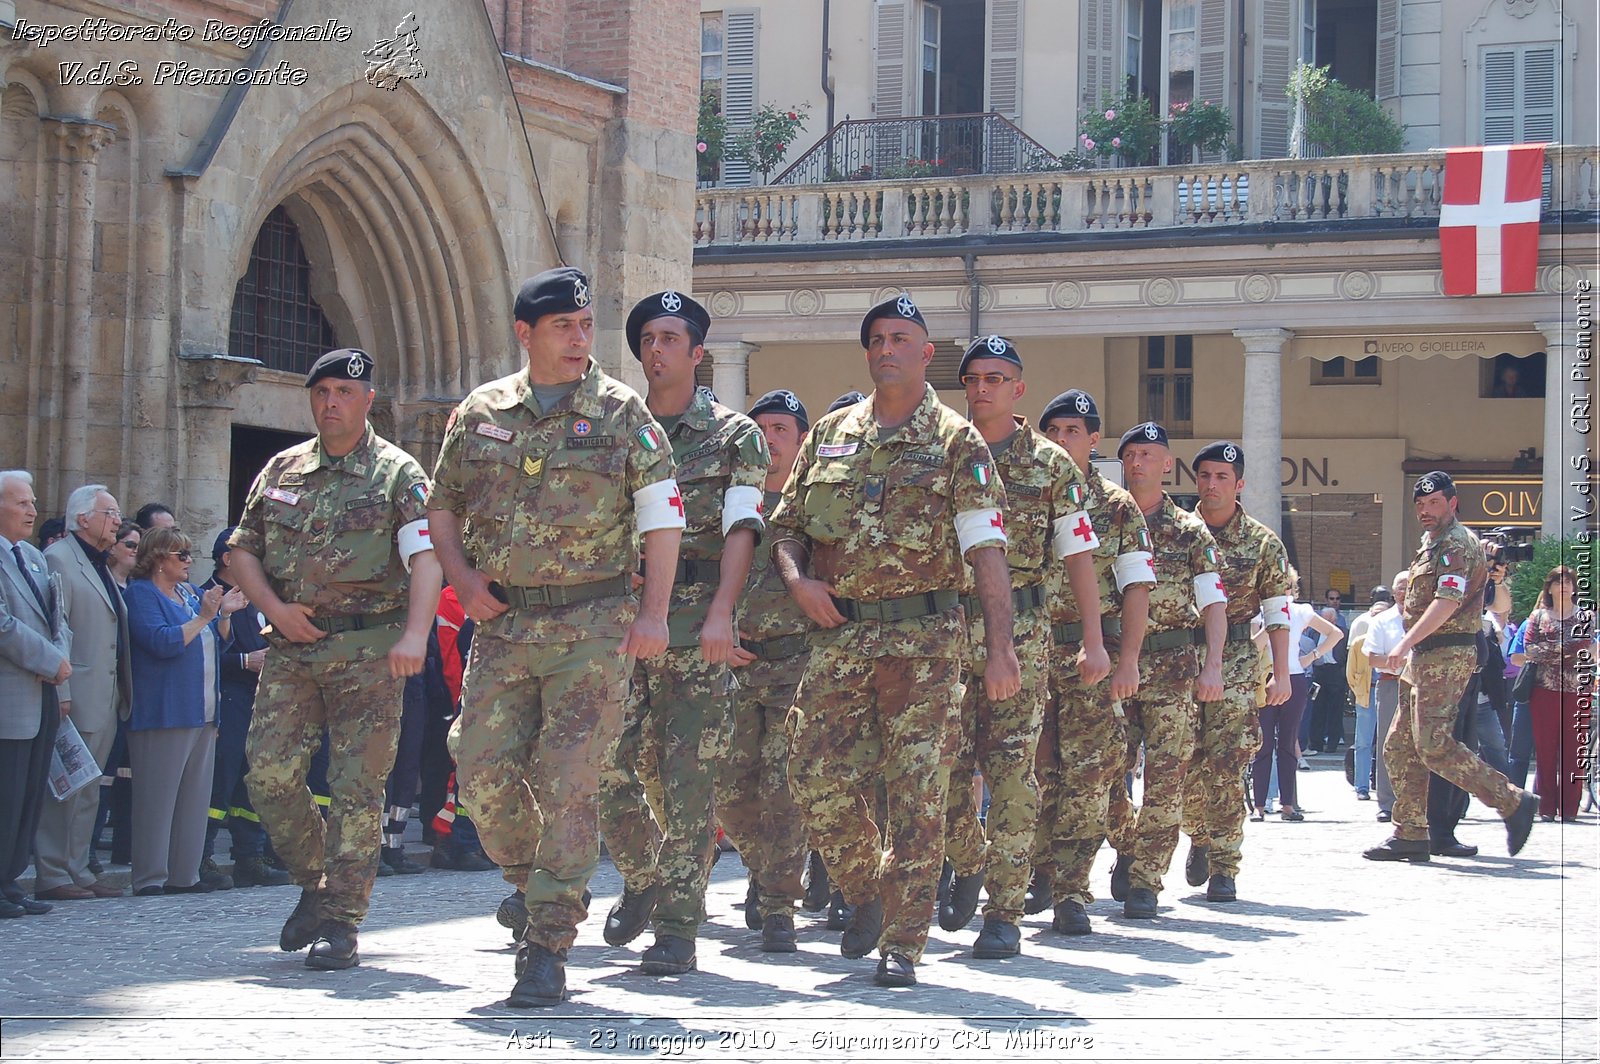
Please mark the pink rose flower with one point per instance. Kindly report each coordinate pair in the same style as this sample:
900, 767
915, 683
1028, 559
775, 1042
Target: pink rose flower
1116, 142
700, 147
1111, 116
1088, 143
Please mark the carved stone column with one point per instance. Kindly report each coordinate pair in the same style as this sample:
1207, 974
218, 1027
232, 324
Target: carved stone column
11, 48
208, 392
730, 371
1262, 435
420, 428
1568, 430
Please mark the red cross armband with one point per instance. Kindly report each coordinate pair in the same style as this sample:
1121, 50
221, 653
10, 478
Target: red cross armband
658, 505
413, 539
742, 504
1208, 589
1073, 535
1275, 611
1133, 567
980, 528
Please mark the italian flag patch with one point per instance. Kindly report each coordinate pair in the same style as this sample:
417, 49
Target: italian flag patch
1144, 538
650, 438
1075, 495
1447, 559
982, 474
1211, 557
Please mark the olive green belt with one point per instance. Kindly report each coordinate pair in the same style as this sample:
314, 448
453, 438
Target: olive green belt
1177, 637
777, 648
522, 598
1073, 632
1238, 633
1022, 598
356, 622
904, 608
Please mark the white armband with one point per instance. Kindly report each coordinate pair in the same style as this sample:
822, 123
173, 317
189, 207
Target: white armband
1275, 611
1208, 589
1074, 535
413, 539
742, 503
1451, 586
1134, 567
658, 505
976, 526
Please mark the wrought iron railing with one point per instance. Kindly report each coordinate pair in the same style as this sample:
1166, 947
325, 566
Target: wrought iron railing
881, 149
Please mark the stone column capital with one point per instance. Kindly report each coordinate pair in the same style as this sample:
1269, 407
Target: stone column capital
1562, 332
212, 381
730, 352
1267, 341
12, 47
83, 137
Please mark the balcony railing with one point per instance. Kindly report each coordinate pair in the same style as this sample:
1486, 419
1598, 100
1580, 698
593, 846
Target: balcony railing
1283, 191
928, 146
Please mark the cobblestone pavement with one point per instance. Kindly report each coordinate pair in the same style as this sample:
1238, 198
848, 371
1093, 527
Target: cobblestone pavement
1327, 956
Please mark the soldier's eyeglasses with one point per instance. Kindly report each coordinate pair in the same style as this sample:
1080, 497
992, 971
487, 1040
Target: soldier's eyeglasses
993, 380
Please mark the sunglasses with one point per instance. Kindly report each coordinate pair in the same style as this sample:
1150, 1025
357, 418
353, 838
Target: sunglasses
131, 544
182, 555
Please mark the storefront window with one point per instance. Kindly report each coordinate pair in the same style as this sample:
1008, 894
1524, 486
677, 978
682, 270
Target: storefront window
1346, 371
1508, 376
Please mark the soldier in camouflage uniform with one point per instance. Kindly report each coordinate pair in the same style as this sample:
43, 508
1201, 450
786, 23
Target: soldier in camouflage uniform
1082, 744
885, 500
1187, 606
1255, 572
1047, 521
753, 799
331, 528
1442, 608
680, 710
544, 480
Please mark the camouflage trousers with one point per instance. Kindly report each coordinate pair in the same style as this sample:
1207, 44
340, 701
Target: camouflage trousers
1081, 747
860, 721
1162, 717
1001, 740
1422, 740
754, 803
536, 721
1229, 736
677, 730
359, 704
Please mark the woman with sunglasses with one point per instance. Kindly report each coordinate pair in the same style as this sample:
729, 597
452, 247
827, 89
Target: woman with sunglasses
177, 637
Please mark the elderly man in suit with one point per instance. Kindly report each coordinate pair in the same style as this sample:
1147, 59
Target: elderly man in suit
99, 691
35, 657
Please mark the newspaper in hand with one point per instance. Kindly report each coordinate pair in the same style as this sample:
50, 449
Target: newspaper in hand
72, 766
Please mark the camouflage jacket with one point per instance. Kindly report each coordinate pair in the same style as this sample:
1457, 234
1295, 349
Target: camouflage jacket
325, 528
879, 511
1449, 565
769, 611
1183, 550
1121, 530
1254, 566
546, 498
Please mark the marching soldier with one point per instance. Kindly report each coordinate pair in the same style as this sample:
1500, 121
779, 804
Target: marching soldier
753, 799
544, 479
680, 713
1186, 607
330, 530
886, 499
1442, 610
1047, 521
1082, 744
1255, 572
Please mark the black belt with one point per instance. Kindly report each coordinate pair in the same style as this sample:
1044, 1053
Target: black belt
695, 572
1452, 639
522, 598
1065, 632
1177, 637
905, 608
778, 647
1022, 598
1238, 633
356, 622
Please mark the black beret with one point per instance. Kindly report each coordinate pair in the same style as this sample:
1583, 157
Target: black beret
989, 347
345, 364
558, 291
1432, 482
1222, 451
847, 399
1074, 402
668, 304
220, 546
782, 401
1147, 432
899, 306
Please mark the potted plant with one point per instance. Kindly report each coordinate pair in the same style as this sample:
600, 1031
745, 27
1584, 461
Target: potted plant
1199, 127
763, 143
710, 133
1125, 129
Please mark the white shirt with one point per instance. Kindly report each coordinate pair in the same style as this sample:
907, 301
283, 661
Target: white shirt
1384, 634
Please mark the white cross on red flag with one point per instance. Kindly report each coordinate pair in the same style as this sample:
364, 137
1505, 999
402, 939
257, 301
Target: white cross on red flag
1489, 219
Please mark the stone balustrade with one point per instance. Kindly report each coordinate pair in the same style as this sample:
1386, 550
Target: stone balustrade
1281, 191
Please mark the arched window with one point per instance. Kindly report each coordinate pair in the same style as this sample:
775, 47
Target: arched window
275, 319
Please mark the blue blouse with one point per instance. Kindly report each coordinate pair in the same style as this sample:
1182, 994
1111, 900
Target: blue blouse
174, 685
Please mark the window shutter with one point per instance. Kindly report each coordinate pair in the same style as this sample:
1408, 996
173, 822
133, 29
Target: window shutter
1540, 100
1004, 59
1388, 72
1097, 32
1275, 48
739, 83
1500, 96
891, 94
1213, 59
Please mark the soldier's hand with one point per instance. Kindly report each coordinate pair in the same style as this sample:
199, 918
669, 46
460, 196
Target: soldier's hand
1125, 681
717, 639
816, 599
1002, 675
476, 599
1208, 685
1093, 665
1277, 693
740, 656
294, 624
646, 638
407, 654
